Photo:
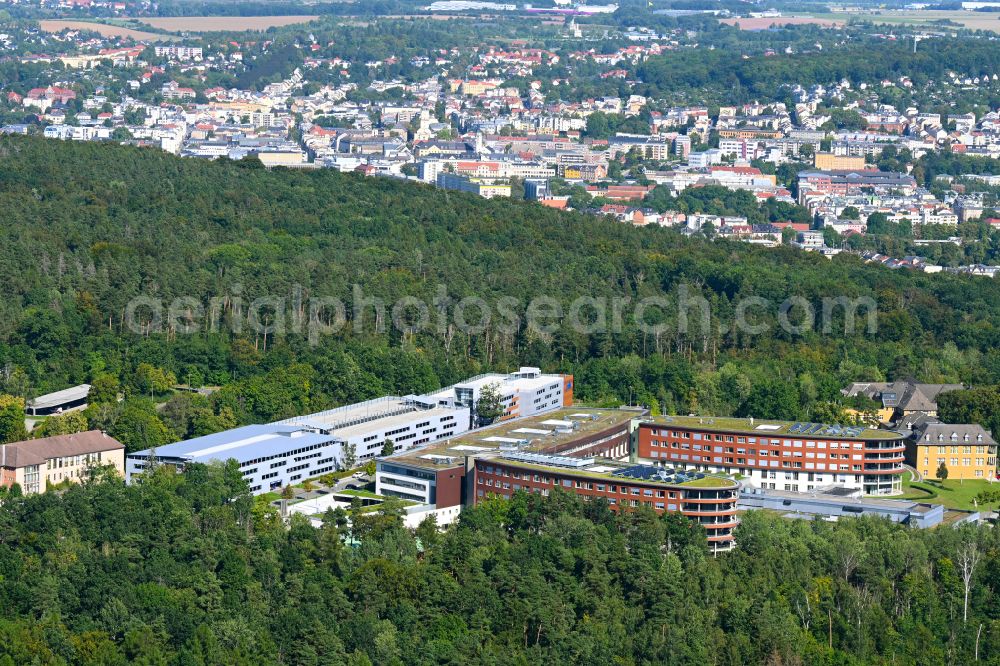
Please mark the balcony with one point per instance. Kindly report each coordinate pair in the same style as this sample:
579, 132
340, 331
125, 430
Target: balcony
709, 509
718, 522
711, 496
883, 456
883, 468
898, 445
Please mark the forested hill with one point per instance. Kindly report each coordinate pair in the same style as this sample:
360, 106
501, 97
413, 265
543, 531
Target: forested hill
181, 570
87, 227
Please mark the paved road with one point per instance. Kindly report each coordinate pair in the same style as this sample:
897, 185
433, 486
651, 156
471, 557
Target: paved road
915, 475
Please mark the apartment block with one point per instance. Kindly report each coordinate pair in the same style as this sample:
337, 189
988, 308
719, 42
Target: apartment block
830, 161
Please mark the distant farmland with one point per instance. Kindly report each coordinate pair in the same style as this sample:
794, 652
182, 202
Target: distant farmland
779, 21
970, 20
223, 23
104, 29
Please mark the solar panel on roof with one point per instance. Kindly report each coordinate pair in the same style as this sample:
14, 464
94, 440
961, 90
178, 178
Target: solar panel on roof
543, 459
659, 474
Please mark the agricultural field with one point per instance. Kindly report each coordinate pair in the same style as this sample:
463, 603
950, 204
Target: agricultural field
928, 18
971, 20
764, 23
223, 23
104, 29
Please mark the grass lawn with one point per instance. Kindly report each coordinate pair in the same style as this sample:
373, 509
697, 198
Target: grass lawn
360, 493
953, 493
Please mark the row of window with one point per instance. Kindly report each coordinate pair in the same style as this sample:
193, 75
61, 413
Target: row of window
285, 454
992, 462
568, 483
73, 461
795, 476
762, 453
941, 450
775, 444
751, 462
507, 489
580, 484
738, 439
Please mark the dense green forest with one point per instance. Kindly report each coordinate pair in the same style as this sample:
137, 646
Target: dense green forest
87, 228
721, 76
186, 570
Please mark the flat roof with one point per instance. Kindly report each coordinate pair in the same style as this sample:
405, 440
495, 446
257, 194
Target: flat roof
872, 503
391, 421
368, 410
364, 417
245, 443
71, 394
763, 428
625, 473
515, 380
492, 439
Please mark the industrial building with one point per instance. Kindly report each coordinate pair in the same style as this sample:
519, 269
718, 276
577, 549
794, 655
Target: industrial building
270, 456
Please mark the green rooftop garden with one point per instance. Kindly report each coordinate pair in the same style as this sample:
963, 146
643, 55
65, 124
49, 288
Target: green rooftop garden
763, 428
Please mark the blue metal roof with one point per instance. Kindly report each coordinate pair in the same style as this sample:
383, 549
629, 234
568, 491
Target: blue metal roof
245, 443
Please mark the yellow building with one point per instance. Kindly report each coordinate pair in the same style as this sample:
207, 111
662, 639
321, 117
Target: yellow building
873, 418
478, 87
967, 450
490, 190
831, 162
272, 158
36, 464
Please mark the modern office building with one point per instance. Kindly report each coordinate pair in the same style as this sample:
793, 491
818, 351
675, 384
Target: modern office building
35, 464
524, 393
295, 449
580, 450
778, 455
270, 456
408, 422
708, 500
436, 474
290, 451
